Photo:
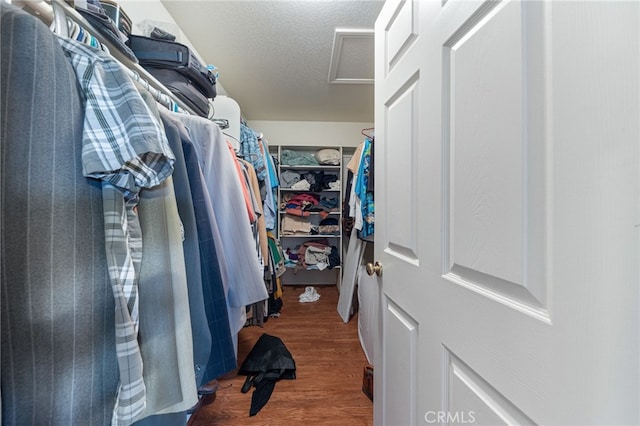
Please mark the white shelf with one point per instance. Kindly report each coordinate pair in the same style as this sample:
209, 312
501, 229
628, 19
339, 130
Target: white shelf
312, 192
285, 167
313, 269
310, 236
313, 213
310, 276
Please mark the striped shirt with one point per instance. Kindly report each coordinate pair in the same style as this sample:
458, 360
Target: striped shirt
124, 146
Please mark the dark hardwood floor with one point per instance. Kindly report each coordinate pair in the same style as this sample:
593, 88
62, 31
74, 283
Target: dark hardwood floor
329, 360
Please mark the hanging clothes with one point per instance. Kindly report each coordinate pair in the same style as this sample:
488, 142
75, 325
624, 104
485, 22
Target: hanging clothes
245, 273
165, 323
271, 189
165, 326
255, 206
57, 312
262, 228
355, 203
125, 148
277, 259
364, 193
259, 309
222, 357
156, 217
360, 196
248, 198
200, 329
250, 150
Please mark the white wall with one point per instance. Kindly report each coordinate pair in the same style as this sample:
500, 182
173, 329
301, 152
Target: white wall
313, 133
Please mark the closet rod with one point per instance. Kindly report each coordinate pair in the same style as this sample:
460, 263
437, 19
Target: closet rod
45, 10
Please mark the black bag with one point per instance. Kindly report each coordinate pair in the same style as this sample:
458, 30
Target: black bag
184, 89
164, 54
268, 361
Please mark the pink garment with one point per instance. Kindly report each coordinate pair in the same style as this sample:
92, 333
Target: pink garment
243, 181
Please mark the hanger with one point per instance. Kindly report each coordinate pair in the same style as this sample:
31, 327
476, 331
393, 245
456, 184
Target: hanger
235, 143
60, 23
63, 20
159, 96
370, 130
223, 123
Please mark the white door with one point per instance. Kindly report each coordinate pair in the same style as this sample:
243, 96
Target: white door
508, 212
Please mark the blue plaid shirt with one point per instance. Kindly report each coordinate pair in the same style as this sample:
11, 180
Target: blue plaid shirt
124, 146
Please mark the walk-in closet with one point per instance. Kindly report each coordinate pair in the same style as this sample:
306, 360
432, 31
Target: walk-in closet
162, 232
319, 212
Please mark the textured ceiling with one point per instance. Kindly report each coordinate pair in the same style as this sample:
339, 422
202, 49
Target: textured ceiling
274, 56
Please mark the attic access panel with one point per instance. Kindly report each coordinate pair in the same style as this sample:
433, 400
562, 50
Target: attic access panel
352, 57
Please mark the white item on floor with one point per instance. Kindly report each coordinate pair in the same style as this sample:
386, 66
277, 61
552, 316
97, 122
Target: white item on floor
310, 295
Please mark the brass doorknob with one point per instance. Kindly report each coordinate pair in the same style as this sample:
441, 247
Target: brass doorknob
374, 268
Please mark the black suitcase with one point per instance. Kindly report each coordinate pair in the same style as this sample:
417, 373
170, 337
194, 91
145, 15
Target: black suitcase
164, 54
184, 89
